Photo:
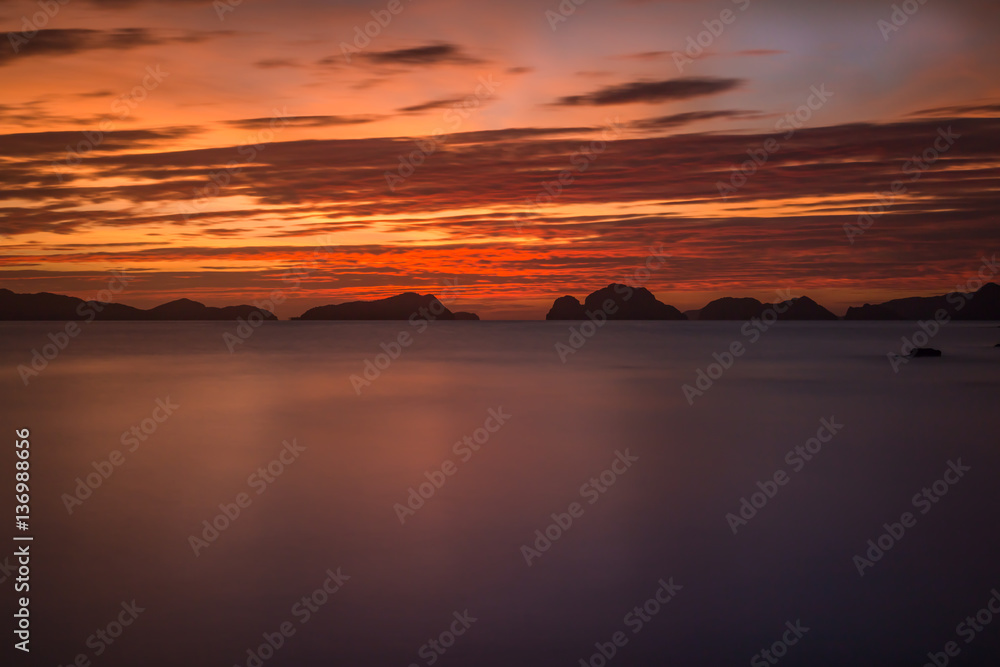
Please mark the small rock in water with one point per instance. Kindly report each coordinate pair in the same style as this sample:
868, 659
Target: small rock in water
925, 352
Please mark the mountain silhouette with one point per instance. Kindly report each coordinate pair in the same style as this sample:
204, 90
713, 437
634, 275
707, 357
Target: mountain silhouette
872, 311
803, 308
983, 304
617, 302
186, 309
46, 306
566, 308
399, 307
731, 308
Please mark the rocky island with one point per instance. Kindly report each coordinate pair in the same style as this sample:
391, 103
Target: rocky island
399, 307
616, 302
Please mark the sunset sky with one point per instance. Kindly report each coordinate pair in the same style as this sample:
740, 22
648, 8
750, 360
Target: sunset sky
117, 115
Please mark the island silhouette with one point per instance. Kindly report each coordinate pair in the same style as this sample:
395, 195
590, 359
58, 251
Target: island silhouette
615, 302
729, 308
983, 304
400, 307
47, 306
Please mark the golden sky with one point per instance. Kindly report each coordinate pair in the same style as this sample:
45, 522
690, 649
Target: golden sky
503, 153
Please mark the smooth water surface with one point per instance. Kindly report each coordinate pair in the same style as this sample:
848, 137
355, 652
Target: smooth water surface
333, 504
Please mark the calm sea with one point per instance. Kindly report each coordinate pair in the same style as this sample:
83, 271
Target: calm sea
476, 500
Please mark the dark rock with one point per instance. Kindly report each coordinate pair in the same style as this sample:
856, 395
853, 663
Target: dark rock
630, 303
462, 315
399, 307
566, 308
924, 352
616, 302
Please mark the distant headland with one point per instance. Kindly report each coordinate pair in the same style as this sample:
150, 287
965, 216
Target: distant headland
614, 302
46, 306
399, 307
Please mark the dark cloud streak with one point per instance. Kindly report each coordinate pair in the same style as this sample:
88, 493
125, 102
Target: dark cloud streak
652, 91
70, 41
302, 121
680, 119
429, 55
